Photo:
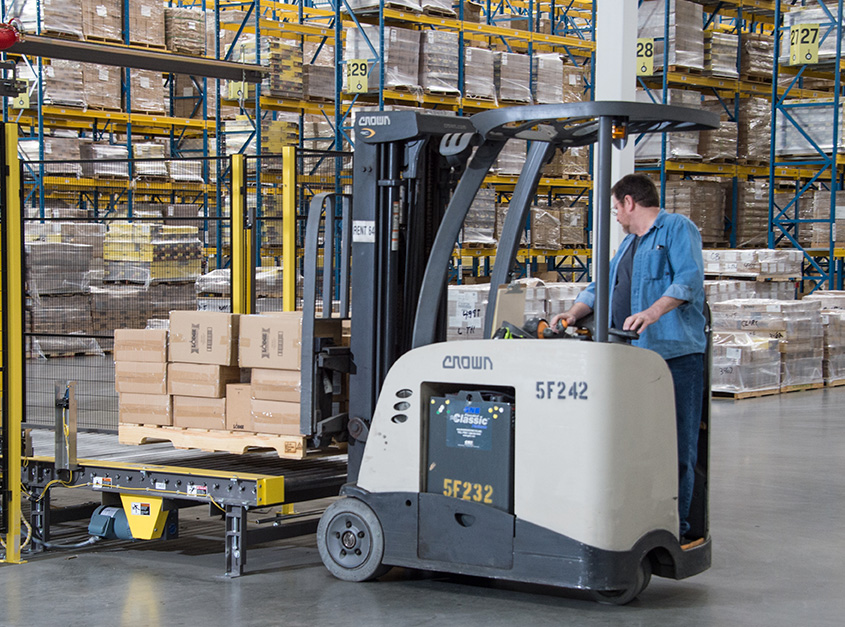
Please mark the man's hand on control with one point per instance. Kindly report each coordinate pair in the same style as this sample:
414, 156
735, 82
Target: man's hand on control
640, 321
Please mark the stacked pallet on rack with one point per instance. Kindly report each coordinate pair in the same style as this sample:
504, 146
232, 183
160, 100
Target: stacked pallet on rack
48, 17
102, 20
686, 38
682, 145
702, 202
152, 253
401, 56
439, 62
480, 223
184, 30
479, 73
513, 77
102, 87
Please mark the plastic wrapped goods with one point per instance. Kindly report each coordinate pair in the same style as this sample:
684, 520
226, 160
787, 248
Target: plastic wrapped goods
752, 223
757, 57
561, 296
720, 54
682, 145
465, 310
478, 74
833, 365
501, 216
573, 83
102, 86
157, 168
61, 155
512, 158
513, 77
545, 228
813, 13
726, 289
89, 233
318, 51
753, 263
105, 160
286, 70
102, 20
549, 78
439, 62
685, 36
62, 82
57, 268
55, 16
147, 91
118, 307
754, 131
744, 363
815, 118
186, 98
146, 23
830, 299
146, 252
318, 82
573, 223
438, 7
703, 202
720, 144
401, 55
824, 232
64, 321
535, 298
480, 223
184, 30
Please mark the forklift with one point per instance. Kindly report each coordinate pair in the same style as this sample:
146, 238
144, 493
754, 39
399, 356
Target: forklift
547, 462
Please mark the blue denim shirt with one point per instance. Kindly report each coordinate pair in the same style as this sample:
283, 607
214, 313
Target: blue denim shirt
668, 262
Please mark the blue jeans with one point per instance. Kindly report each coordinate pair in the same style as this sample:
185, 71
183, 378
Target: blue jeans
688, 379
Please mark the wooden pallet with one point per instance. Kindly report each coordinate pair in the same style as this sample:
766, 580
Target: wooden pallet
237, 442
746, 394
785, 389
835, 383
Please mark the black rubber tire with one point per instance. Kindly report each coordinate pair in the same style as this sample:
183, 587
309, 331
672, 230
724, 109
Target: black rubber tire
623, 597
350, 540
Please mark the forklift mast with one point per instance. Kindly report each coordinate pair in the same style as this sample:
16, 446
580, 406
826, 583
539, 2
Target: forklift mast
415, 178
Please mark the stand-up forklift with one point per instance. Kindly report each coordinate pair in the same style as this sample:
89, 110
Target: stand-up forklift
553, 462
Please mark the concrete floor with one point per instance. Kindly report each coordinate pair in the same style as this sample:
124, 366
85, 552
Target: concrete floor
778, 482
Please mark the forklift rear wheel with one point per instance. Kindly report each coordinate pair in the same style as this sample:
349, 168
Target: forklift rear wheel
623, 597
351, 541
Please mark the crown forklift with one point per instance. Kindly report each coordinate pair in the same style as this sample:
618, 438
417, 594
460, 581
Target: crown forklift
549, 462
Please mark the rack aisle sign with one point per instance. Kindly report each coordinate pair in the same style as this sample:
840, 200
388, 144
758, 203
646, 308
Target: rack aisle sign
803, 44
356, 76
645, 56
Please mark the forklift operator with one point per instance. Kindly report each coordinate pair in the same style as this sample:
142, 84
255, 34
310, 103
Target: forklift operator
657, 279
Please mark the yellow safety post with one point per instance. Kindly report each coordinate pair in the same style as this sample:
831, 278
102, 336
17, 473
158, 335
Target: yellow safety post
289, 228
243, 269
13, 356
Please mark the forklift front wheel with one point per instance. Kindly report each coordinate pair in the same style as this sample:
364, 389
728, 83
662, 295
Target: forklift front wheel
623, 597
351, 541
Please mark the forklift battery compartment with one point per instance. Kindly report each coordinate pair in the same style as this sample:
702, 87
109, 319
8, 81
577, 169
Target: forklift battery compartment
470, 449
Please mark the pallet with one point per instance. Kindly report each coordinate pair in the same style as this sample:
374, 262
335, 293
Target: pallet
478, 246
480, 98
786, 389
688, 70
835, 383
442, 93
746, 394
148, 46
753, 78
753, 162
236, 442
103, 40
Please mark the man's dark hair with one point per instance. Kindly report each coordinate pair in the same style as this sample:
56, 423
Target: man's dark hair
639, 187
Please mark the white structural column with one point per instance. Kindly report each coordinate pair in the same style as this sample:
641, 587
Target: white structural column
616, 78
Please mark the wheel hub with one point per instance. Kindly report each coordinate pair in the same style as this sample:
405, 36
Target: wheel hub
348, 540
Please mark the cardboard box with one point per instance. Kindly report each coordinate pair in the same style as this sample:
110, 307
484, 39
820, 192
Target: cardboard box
145, 409
203, 337
238, 407
274, 340
148, 345
139, 377
277, 417
202, 380
276, 385
192, 412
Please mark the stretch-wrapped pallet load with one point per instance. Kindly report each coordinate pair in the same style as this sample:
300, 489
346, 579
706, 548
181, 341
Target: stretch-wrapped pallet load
833, 321
182, 214
62, 82
465, 310
439, 62
573, 82
102, 20
285, 69
64, 321
681, 145
720, 54
118, 307
317, 50
317, 132
105, 160
720, 144
401, 55
479, 81
512, 73
754, 263
561, 296
146, 23
63, 17
88, 233
814, 118
511, 159
480, 223
187, 97
573, 222
318, 82
824, 232
147, 92
757, 57
802, 208
438, 7
754, 131
829, 299
685, 37
102, 86
743, 362
752, 223
703, 202
149, 160
57, 268
151, 253
61, 155
813, 13
184, 30
797, 326
549, 78
501, 217
720, 290
545, 228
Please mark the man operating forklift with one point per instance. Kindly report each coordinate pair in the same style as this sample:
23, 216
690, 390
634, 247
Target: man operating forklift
657, 279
